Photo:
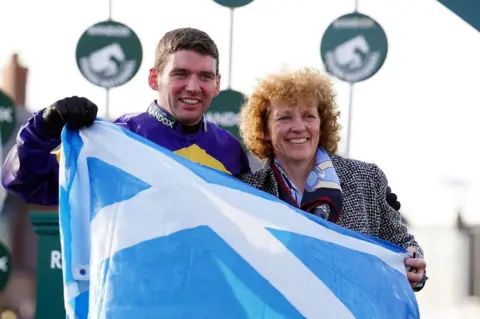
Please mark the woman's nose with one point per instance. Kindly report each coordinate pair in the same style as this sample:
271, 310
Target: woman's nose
298, 124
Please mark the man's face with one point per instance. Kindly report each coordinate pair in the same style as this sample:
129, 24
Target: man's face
186, 85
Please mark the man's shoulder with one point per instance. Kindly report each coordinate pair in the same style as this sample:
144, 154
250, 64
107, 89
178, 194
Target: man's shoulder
127, 118
224, 137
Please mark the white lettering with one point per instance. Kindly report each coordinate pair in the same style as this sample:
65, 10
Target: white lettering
109, 31
227, 119
354, 23
167, 122
4, 264
162, 119
55, 260
6, 114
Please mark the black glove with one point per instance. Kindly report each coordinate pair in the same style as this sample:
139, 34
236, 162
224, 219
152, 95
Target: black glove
75, 112
392, 199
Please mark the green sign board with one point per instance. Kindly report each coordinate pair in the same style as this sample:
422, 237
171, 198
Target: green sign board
109, 54
49, 290
5, 266
233, 3
224, 111
7, 117
354, 47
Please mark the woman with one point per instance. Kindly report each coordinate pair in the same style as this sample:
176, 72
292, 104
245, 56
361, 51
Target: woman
291, 123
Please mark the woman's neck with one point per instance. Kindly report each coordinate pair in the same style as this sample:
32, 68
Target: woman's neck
297, 171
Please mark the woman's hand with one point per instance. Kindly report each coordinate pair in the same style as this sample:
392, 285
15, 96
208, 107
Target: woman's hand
415, 268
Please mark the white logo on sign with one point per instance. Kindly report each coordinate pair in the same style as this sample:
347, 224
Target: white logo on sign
353, 60
4, 264
6, 114
108, 67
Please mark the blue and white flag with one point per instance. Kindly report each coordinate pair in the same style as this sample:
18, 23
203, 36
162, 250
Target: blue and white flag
148, 234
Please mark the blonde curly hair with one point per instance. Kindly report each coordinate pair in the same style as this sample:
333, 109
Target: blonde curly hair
288, 88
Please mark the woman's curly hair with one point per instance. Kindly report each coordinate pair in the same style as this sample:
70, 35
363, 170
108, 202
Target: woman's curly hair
288, 88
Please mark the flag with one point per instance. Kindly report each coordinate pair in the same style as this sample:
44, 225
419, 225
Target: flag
146, 233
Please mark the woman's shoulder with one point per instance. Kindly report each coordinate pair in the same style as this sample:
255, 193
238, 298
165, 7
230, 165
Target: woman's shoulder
348, 168
263, 178
343, 163
258, 176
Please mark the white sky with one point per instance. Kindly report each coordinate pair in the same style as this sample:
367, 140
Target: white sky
417, 118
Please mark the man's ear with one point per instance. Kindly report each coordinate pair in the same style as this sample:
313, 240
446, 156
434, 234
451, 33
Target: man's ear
217, 88
153, 79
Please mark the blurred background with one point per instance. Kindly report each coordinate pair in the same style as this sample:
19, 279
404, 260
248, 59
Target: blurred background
416, 115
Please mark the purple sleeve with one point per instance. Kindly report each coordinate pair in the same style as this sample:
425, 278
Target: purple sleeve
30, 170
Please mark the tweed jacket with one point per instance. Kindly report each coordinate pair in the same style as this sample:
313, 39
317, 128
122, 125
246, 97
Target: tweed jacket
365, 208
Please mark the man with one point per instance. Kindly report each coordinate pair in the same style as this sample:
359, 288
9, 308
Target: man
186, 77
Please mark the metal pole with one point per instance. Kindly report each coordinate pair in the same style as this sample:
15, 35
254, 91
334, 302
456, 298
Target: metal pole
107, 104
109, 9
349, 123
350, 106
230, 63
107, 91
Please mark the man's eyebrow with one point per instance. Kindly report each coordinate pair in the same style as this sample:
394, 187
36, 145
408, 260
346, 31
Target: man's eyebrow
178, 69
208, 73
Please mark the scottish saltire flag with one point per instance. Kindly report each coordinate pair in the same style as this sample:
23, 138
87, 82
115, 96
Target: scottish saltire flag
148, 234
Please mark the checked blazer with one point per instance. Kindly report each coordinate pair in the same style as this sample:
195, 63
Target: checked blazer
364, 208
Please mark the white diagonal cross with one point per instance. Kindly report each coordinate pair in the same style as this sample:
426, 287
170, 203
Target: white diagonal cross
217, 207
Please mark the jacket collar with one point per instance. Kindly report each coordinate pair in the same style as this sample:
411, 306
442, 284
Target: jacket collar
339, 163
167, 119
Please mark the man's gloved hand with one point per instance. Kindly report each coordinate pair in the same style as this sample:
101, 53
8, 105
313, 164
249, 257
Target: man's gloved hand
392, 199
75, 112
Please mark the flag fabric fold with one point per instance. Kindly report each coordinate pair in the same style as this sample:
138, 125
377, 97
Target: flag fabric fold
146, 233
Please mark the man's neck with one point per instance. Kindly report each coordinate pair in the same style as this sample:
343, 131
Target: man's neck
191, 129
297, 172
186, 128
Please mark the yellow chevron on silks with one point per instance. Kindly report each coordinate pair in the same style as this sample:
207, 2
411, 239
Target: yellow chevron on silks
57, 154
200, 156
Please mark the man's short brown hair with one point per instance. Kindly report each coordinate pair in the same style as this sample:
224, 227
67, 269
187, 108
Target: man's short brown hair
185, 39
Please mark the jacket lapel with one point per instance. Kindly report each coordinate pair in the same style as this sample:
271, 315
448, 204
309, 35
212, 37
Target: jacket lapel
346, 182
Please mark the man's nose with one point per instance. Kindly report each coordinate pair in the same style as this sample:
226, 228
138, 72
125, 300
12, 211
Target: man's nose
193, 84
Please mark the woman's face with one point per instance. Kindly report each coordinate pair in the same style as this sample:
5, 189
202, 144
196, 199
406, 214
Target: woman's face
294, 131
